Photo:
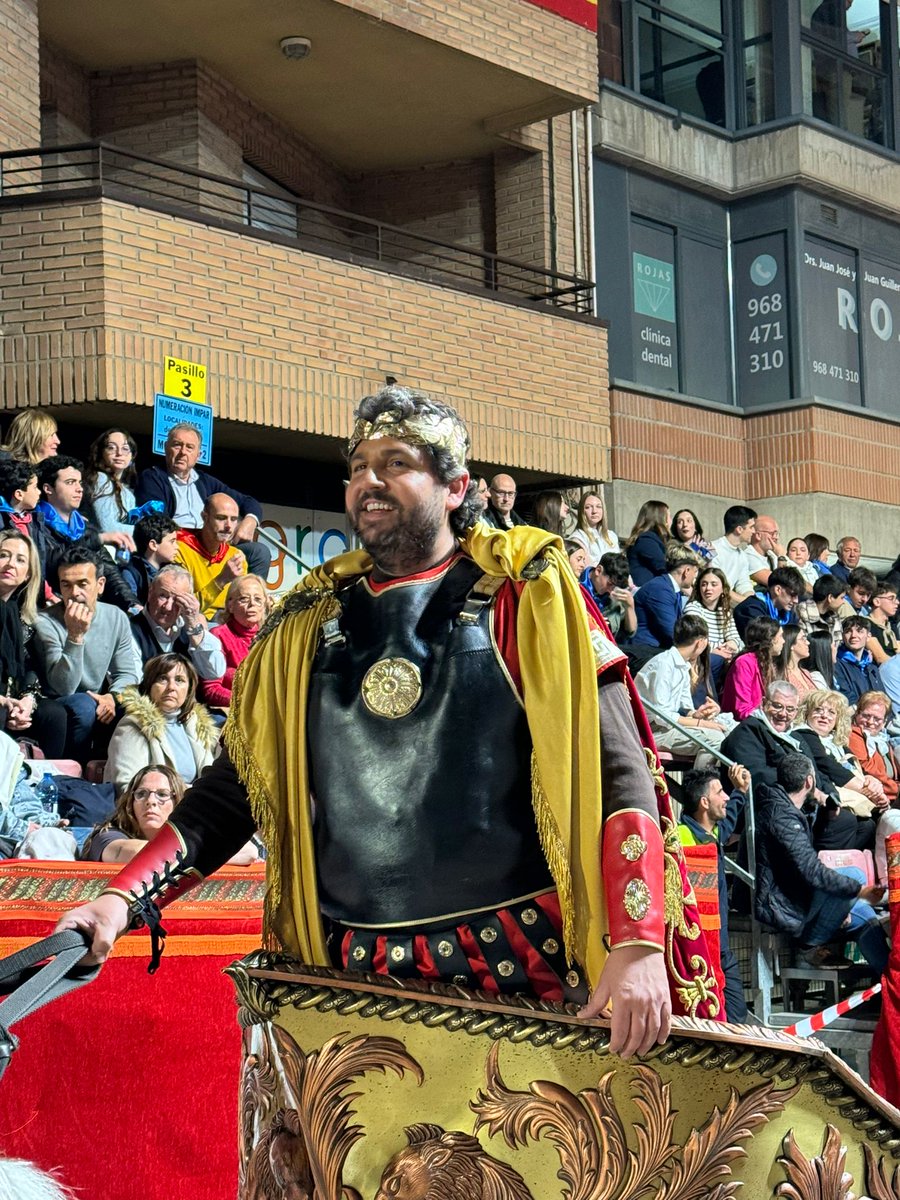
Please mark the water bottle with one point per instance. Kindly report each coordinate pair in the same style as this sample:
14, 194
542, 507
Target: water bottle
48, 794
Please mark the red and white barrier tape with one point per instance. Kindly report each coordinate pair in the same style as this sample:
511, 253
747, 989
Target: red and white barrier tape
819, 1020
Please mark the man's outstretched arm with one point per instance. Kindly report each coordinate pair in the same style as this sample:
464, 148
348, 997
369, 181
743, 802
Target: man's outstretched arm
210, 824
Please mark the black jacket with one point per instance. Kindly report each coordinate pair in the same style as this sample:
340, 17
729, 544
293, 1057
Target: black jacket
788, 870
755, 606
490, 516
760, 750
153, 484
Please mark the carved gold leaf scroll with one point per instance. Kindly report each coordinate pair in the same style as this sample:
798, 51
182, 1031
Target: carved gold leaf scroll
321, 1120
819, 1178
878, 1186
587, 1132
257, 1099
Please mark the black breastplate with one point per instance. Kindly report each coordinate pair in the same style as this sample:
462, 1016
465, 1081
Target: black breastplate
429, 813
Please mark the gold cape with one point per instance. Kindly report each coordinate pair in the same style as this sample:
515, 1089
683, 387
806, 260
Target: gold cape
266, 737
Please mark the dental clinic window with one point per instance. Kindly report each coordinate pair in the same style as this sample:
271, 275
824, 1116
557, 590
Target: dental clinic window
845, 65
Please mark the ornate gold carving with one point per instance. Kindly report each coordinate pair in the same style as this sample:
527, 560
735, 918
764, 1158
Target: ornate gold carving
820, 1178
449, 1163
392, 688
878, 1185
550, 946
637, 899
633, 847
426, 428
573, 979
528, 916
589, 1135
488, 935
359, 953
445, 949
696, 1045
505, 968
302, 1145
397, 954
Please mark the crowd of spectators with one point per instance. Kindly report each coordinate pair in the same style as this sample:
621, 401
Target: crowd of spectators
116, 608
129, 598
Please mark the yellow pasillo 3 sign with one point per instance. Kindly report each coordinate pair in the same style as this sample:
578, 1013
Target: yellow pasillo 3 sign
185, 380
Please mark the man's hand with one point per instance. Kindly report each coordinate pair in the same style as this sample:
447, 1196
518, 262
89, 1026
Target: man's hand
124, 541
740, 777
77, 618
105, 918
235, 566
872, 893
188, 607
634, 986
106, 706
246, 530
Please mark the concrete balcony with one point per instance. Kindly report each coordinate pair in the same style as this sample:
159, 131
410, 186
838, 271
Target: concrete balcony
100, 282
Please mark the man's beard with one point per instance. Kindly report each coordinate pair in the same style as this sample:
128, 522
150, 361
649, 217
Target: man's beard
409, 544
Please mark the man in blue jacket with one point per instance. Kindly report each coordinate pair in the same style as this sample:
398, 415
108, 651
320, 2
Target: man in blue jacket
184, 490
855, 671
660, 602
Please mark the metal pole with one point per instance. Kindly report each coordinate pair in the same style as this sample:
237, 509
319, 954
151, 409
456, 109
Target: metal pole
273, 541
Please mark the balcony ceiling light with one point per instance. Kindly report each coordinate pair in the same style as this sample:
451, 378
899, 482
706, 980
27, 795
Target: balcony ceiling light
295, 47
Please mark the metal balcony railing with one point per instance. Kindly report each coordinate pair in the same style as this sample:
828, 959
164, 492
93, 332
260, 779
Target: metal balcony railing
762, 972
95, 169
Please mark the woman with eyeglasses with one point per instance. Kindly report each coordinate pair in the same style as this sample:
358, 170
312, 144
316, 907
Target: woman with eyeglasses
824, 730
109, 480
871, 744
140, 813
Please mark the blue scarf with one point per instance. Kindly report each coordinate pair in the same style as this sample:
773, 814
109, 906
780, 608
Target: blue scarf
847, 655
783, 618
72, 530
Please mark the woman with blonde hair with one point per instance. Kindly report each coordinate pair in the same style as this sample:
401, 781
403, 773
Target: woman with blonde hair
141, 811
646, 544
247, 604
32, 436
823, 727
592, 530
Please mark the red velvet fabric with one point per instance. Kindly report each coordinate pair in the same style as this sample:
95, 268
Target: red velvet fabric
128, 1087
884, 1061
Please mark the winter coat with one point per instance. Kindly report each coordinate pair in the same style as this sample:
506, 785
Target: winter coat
788, 870
140, 739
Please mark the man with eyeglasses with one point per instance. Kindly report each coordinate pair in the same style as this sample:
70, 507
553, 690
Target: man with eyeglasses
502, 496
762, 740
765, 553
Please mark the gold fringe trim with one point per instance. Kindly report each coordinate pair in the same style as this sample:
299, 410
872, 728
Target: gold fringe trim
261, 807
557, 858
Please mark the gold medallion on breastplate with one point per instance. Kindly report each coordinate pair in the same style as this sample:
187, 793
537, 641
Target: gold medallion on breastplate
392, 688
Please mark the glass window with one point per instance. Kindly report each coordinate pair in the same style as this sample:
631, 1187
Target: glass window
275, 213
843, 67
759, 71
681, 56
